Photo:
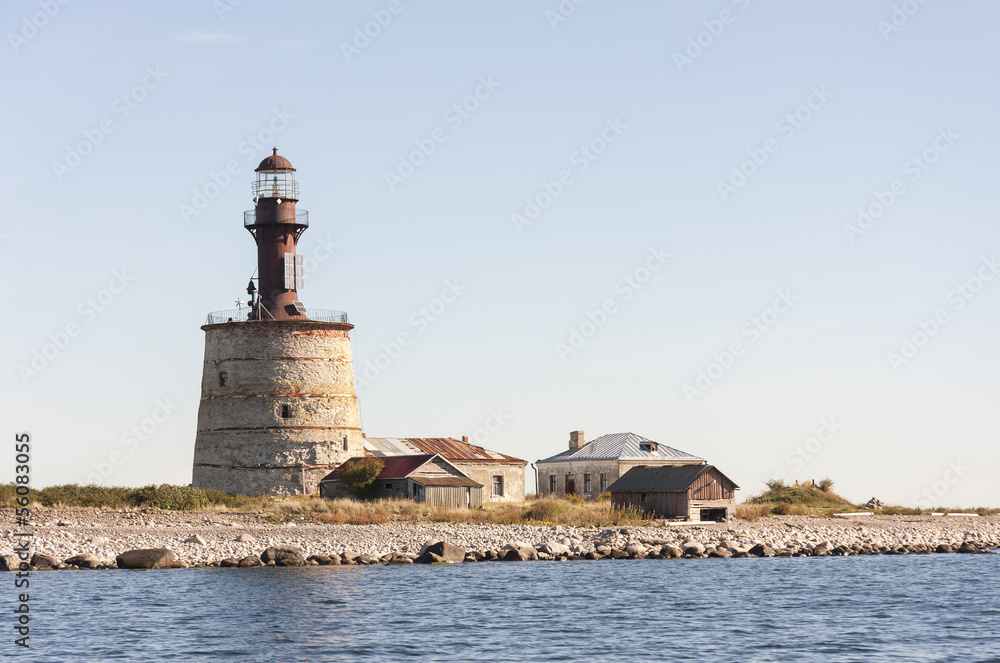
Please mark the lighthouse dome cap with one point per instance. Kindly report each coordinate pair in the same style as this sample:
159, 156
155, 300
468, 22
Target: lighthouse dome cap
274, 162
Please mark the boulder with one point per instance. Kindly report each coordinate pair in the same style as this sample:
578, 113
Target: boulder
693, 548
196, 539
966, 547
635, 550
943, 548
229, 562
98, 542
720, 552
245, 538
84, 561
617, 553
430, 558
250, 560
283, 557
553, 548
147, 558
349, 556
10, 563
370, 559
516, 555
44, 561
671, 551
447, 551
761, 550
322, 560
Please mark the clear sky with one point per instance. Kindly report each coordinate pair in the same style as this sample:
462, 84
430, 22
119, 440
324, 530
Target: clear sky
761, 232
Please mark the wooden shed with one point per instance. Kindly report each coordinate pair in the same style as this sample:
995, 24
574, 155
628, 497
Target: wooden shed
426, 478
688, 492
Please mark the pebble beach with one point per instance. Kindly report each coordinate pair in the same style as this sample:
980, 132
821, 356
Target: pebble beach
204, 539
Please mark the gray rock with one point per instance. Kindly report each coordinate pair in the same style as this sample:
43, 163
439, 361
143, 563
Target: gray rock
370, 559
84, 561
516, 555
553, 548
245, 538
10, 563
250, 560
148, 558
196, 539
943, 548
693, 548
283, 557
98, 542
322, 560
44, 561
671, 551
760, 550
229, 562
446, 551
350, 556
635, 550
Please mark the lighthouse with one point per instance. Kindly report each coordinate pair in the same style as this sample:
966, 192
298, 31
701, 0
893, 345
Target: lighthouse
278, 405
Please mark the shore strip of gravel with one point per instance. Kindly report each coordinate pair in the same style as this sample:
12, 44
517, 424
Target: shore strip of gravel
97, 539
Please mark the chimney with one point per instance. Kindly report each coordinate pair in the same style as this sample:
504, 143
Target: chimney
576, 439
465, 438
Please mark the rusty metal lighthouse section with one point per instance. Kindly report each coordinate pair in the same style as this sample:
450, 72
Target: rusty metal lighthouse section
278, 406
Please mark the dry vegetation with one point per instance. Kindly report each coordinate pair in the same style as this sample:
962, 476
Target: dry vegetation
575, 512
820, 500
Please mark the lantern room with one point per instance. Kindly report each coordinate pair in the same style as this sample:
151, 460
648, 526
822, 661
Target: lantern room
276, 179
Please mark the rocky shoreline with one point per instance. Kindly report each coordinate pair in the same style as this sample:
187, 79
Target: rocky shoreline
149, 538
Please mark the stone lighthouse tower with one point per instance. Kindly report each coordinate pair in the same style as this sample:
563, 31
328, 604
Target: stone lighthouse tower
278, 407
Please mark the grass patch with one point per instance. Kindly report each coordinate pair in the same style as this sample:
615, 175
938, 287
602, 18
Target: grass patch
782, 500
164, 496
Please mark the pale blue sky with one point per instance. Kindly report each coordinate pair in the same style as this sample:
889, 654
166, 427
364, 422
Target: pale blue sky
884, 96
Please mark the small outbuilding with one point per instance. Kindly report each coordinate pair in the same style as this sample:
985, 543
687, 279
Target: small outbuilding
687, 492
426, 478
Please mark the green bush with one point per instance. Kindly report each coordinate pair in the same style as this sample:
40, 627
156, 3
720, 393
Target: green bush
358, 478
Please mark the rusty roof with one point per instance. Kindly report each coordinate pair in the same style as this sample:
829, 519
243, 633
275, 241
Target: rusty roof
274, 162
458, 451
396, 467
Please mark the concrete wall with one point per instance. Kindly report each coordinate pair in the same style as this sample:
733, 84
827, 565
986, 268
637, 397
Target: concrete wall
244, 445
513, 479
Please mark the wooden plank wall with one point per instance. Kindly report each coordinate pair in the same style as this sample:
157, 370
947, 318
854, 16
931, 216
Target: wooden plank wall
453, 496
663, 504
711, 485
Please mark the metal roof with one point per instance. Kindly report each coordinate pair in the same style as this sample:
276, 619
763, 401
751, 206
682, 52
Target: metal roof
662, 478
448, 448
274, 162
396, 467
623, 446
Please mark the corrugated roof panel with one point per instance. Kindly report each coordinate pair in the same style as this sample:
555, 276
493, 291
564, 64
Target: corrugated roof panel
623, 446
660, 478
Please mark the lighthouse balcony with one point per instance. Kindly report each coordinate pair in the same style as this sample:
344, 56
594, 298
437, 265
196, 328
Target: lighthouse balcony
251, 218
243, 314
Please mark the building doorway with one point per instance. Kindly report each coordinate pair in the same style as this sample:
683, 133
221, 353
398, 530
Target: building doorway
713, 515
570, 483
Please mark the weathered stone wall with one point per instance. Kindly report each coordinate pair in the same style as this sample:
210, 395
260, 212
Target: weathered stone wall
513, 479
614, 468
579, 468
244, 443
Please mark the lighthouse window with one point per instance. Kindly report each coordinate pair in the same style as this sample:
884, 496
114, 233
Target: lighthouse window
286, 411
223, 378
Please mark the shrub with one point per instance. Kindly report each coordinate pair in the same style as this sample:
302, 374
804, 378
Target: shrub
603, 497
826, 485
358, 478
575, 498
